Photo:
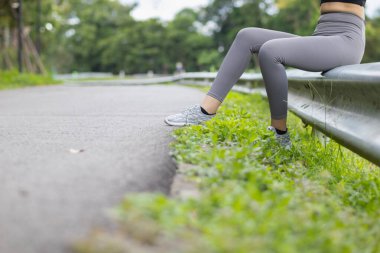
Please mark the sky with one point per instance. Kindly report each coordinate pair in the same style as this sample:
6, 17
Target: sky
166, 9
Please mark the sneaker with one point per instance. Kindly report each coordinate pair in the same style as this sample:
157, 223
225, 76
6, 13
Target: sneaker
190, 116
282, 139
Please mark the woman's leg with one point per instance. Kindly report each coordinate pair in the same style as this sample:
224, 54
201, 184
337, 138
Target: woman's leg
313, 53
247, 42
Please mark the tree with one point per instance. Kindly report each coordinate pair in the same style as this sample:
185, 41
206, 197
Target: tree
295, 16
184, 42
84, 27
231, 16
372, 51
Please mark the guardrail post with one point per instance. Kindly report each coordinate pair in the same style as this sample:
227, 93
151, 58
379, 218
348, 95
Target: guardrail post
324, 139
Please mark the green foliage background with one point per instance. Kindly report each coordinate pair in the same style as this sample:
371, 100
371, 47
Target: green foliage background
101, 35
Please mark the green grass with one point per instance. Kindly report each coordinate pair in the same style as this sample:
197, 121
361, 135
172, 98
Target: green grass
256, 197
13, 79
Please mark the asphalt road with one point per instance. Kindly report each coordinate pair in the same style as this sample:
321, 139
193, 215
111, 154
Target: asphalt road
69, 153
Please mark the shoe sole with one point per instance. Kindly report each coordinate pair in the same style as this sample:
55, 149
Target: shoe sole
176, 124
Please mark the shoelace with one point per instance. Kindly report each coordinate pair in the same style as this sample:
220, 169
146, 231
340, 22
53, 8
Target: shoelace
190, 111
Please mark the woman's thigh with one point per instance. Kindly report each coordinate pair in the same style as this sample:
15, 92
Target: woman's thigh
313, 53
256, 37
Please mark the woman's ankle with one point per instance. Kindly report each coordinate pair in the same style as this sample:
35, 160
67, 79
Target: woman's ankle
279, 124
210, 104
206, 111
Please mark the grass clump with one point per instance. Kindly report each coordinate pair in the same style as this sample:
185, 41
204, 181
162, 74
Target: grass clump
257, 197
13, 79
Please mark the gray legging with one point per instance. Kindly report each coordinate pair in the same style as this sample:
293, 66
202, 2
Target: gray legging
339, 39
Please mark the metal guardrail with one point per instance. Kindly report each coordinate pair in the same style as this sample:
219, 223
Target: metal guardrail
82, 75
133, 81
344, 103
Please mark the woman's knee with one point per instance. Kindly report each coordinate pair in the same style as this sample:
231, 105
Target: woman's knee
269, 51
246, 33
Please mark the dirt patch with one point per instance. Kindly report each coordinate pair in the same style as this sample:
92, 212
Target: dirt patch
184, 187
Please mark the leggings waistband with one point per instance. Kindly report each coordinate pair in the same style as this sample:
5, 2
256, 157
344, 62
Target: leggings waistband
343, 17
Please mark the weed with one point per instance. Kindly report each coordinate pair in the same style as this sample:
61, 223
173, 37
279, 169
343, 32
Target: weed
13, 79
